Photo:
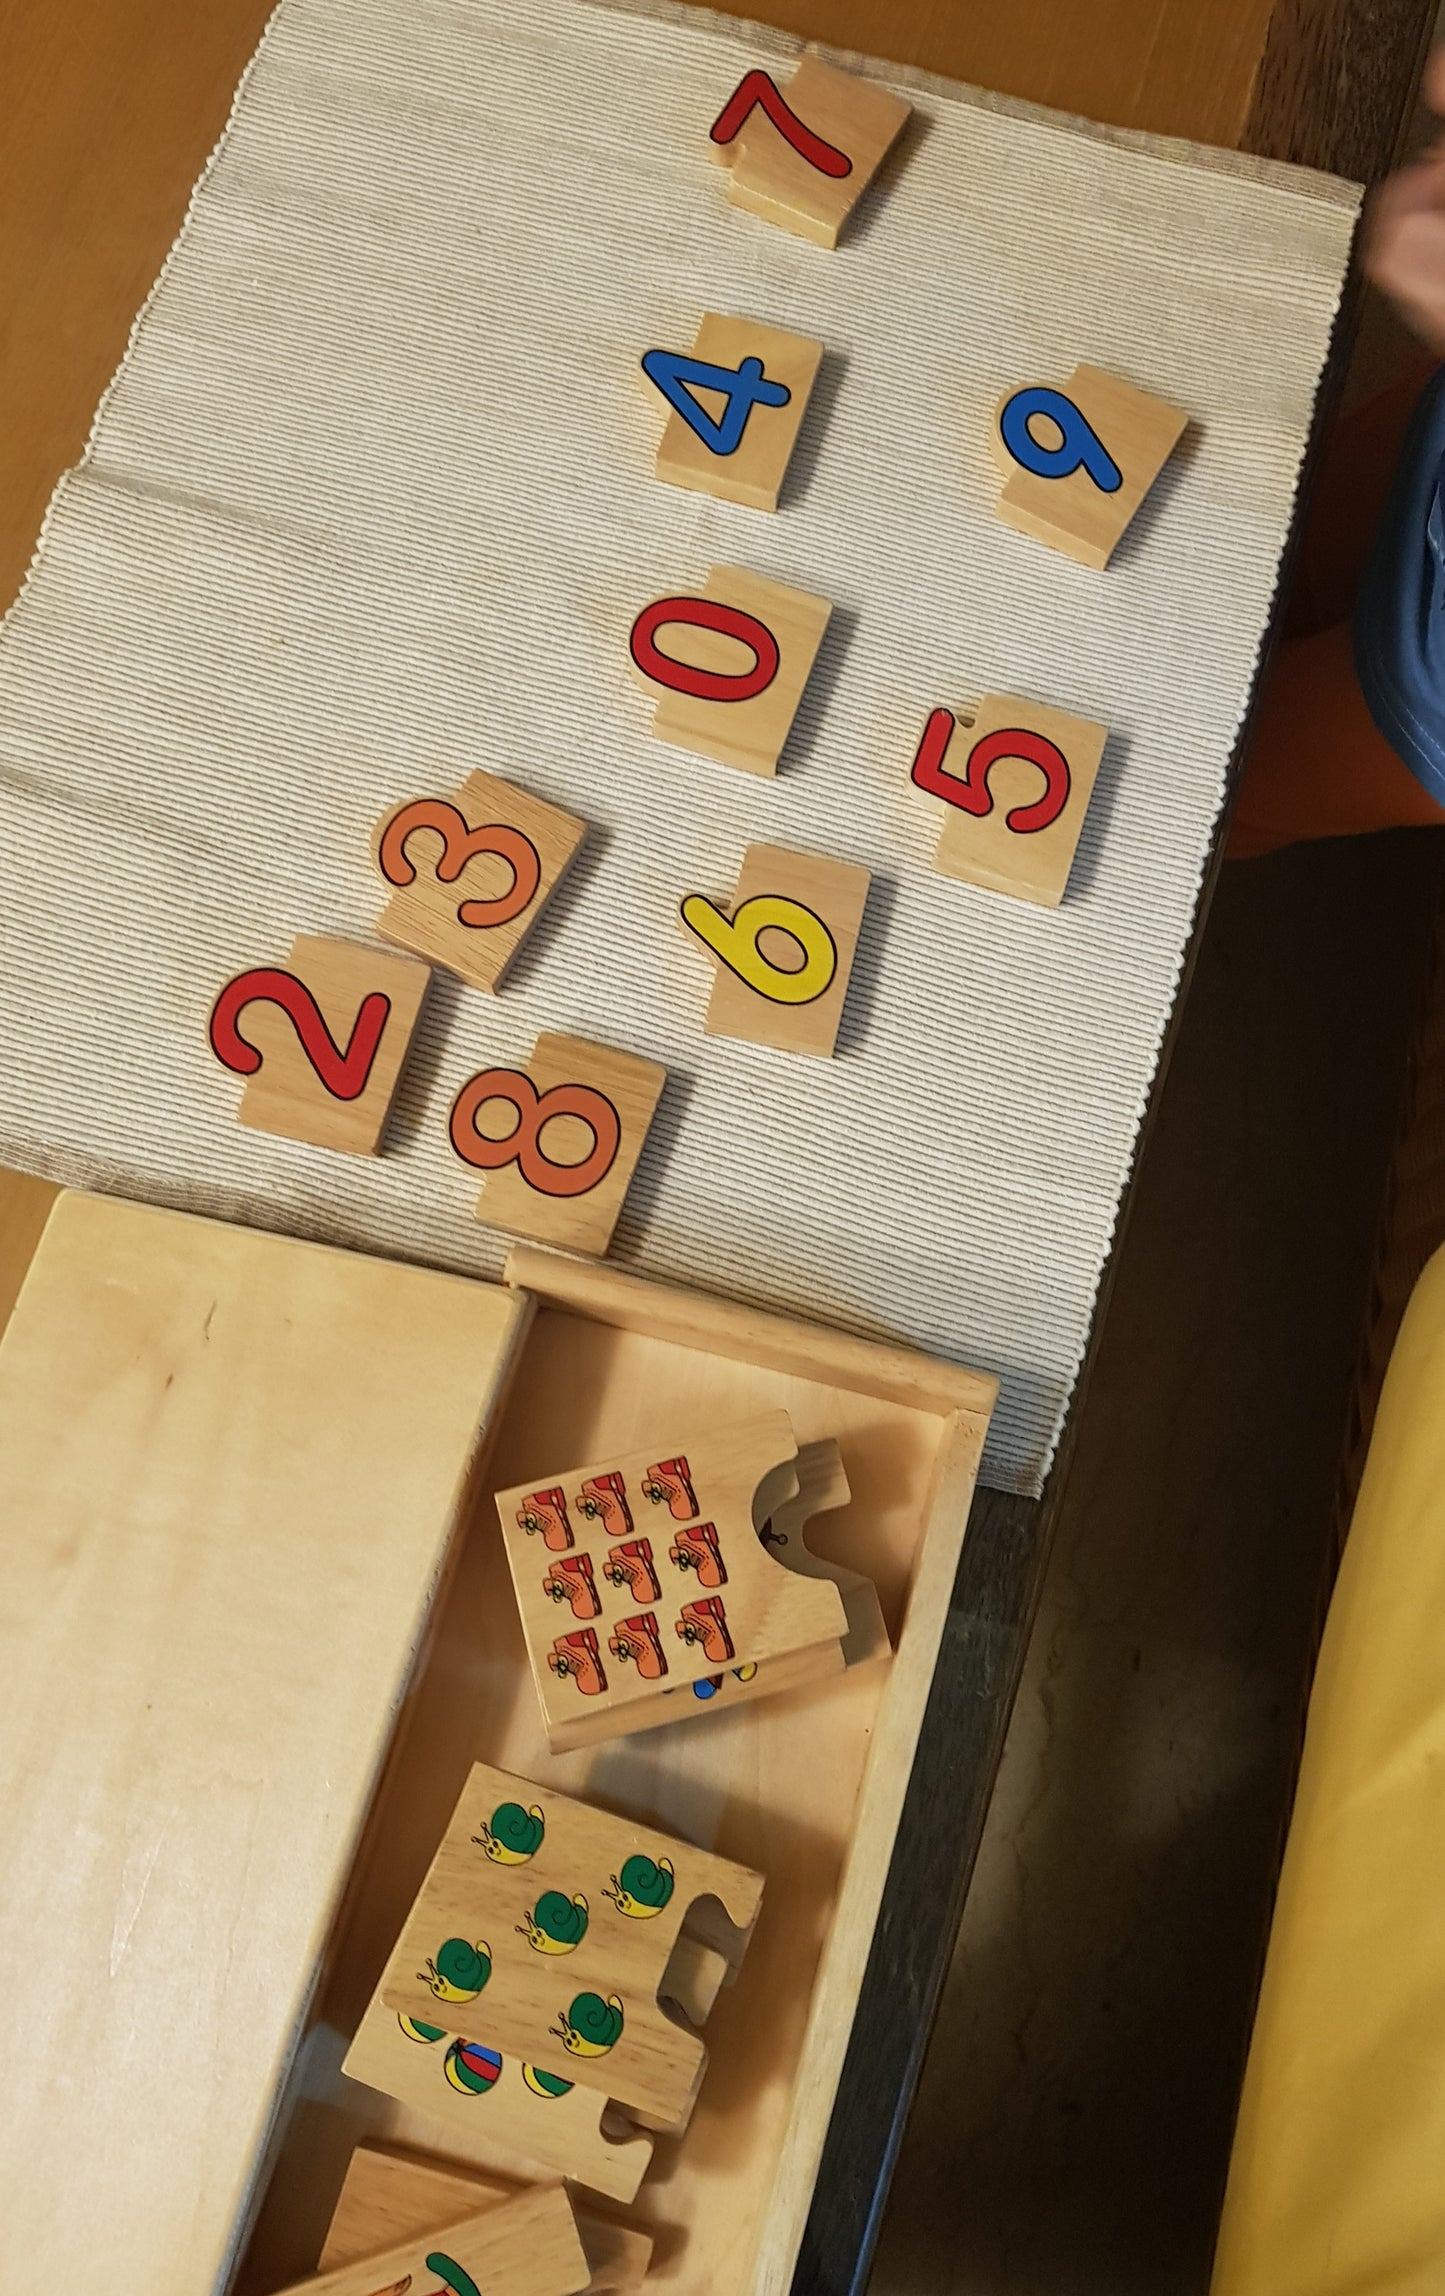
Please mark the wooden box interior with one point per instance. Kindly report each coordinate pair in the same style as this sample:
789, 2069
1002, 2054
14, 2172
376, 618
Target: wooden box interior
806, 1786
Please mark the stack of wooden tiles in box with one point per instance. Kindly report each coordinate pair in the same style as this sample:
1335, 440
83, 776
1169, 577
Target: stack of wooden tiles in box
574, 1941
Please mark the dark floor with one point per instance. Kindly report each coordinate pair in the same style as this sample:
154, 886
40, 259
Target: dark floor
1073, 2126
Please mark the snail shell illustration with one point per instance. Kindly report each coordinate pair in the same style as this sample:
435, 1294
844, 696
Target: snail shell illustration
514, 1834
591, 2026
557, 1924
459, 1971
642, 1888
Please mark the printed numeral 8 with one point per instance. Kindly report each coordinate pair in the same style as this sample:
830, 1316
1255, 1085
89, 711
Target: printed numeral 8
522, 1146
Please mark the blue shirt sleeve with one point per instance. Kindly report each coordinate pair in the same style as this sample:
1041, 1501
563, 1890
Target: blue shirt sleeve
1400, 611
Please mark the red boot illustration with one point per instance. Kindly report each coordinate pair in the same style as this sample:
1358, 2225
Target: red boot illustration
706, 1621
637, 1642
604, 1501
698, 1550
631, 1565
571, 1580
577, 1654
546, 1512
669, 1484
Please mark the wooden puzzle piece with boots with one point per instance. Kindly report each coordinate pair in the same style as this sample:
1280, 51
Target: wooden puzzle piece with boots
644, 1577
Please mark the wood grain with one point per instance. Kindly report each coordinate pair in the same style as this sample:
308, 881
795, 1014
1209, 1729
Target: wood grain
392, 2196
528, 2245
190, 1412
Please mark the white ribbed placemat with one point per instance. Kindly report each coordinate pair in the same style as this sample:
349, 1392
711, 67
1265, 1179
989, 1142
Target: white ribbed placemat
370, 504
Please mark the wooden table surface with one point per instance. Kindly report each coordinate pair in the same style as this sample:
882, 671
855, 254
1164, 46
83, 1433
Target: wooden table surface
111, 108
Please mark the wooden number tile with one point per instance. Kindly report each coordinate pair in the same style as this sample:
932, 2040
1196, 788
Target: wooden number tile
389, 2197
734, 667
764, 377
483, 2104
471, 873
1079, 461
785, 950
321, 1041
803, 159
556, 1922
559, 1141
644, 1575
526, 2246
1017, 784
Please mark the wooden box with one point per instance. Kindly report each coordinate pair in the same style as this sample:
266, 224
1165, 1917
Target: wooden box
357, 1559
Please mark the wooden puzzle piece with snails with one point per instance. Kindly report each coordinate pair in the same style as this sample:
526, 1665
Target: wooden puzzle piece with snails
545, 1929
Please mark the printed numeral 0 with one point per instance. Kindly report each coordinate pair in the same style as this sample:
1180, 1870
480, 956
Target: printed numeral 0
737, 941
522, 1146
343, 1072
705, 614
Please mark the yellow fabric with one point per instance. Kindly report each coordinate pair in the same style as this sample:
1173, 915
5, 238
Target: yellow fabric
1337, 2182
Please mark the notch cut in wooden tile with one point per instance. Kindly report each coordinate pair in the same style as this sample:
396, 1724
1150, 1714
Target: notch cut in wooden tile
737, 659
822, 1485
471, 872
558, 1140
389, 2197
1078, 461
784, 948
555, 1923
803, 156
484, 2103
526, 2246
1016, 785
321, 1041
641, 1576
763, 377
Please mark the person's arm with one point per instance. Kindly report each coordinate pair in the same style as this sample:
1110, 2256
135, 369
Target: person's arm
1405, 238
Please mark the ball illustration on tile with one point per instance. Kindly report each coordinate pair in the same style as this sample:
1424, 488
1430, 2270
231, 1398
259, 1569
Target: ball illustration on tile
472, 2069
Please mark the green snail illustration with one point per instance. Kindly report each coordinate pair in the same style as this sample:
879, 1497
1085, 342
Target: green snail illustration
642, 1888
514, 1834
591, 2026
459, 1971
557, 1924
